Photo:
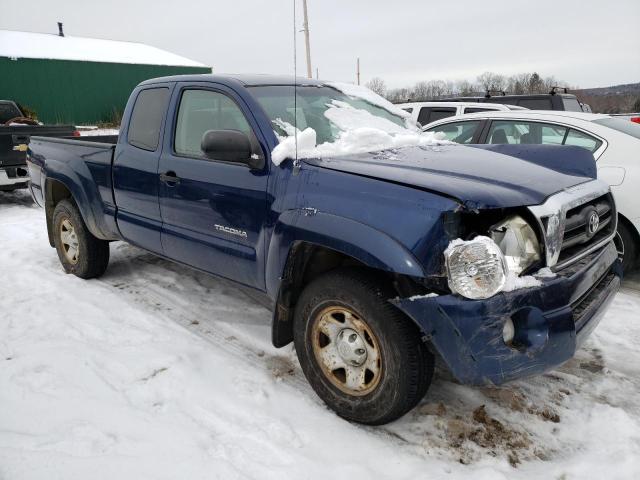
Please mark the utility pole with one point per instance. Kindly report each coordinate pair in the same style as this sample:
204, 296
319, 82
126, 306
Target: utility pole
317, 74
305, 29
358, 70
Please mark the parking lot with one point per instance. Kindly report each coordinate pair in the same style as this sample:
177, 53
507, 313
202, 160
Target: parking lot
162, 372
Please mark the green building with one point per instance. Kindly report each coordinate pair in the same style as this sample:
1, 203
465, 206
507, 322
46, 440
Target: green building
79, 80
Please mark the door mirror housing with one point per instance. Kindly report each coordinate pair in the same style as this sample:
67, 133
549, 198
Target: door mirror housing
230, 146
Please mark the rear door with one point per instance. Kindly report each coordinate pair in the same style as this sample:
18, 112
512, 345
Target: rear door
135, 169
213, 211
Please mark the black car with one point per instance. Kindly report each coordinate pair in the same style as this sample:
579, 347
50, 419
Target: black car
538, 101
15, 130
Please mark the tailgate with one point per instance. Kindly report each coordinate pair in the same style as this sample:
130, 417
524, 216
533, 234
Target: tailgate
14, 140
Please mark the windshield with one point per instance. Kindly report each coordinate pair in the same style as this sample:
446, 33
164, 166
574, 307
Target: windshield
325, 109
624, 126
334, 119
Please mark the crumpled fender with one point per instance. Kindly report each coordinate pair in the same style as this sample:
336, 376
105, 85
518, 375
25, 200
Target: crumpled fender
372, 247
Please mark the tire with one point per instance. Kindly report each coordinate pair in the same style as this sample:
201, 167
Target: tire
627, 247
329, 311
71, 236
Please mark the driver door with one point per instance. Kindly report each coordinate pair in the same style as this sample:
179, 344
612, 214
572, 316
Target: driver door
213, 211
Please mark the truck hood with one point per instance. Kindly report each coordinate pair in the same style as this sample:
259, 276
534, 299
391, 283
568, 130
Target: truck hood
482, 176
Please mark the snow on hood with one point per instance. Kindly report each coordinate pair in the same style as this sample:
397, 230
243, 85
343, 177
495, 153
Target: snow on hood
360, 130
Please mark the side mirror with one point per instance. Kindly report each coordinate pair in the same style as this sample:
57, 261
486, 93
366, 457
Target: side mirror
230, 146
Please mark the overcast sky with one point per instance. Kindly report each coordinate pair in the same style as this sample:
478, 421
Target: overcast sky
587, 43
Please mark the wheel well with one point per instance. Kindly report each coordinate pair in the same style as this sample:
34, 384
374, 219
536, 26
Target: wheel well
55, 191
306, 262
631, 229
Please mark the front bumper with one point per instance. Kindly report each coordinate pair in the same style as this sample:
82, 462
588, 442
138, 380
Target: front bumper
551, 322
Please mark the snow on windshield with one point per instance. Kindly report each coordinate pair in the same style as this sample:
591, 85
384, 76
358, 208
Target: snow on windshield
364, 93
359, 130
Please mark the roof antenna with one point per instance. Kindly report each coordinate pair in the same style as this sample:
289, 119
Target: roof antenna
60, 31
296, 162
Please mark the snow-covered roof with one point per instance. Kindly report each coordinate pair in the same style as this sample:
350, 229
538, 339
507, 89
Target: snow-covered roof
43, 45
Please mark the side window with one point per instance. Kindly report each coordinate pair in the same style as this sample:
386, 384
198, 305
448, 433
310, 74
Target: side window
580, 139
438, 113
423, 116
478, 109
525, 133
459, 132
146, 118
536, 103
201, 111
553, 134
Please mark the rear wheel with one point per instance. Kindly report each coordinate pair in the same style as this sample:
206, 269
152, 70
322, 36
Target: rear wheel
79, 251
360, 354
627, 248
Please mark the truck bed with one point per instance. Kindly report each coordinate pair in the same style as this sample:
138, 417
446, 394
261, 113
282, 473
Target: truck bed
77, 161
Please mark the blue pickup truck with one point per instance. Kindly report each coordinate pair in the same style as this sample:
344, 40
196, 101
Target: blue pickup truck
377, 249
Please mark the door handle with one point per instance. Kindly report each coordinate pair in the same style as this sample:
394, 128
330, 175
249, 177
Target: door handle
170, 179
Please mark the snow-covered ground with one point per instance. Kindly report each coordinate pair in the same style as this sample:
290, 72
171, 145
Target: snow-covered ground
158, 372
95, 131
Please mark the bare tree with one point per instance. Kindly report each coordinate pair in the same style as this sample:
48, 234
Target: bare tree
492, 81
377, 85
464, 88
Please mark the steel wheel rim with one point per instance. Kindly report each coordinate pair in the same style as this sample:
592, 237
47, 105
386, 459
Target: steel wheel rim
338, 336
69, 241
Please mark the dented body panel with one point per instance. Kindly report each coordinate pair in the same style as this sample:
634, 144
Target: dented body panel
551, 322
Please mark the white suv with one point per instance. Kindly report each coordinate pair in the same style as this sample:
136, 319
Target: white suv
428, 112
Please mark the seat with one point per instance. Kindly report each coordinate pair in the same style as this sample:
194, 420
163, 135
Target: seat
526, 139
499, 137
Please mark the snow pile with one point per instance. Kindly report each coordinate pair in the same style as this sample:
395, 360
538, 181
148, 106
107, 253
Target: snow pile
359, 140
514, 282
366, 94
545, 272
94, 132
360, 132
420, 297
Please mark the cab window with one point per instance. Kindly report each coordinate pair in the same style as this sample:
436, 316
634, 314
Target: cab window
146, 118
459, 132
201, 111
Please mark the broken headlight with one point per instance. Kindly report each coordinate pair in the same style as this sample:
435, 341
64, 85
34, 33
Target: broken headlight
518, 242
476, 269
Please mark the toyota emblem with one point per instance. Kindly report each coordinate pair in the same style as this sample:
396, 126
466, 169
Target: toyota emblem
594, 223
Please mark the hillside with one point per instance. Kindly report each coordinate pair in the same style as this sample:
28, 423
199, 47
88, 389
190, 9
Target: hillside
615, 99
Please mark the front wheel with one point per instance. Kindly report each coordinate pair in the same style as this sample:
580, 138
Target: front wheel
79, 251
360, 354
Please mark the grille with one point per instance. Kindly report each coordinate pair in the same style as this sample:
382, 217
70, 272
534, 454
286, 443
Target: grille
587, 225
581, 306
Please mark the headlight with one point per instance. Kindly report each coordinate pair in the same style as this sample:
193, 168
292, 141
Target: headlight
476, 269
518, 243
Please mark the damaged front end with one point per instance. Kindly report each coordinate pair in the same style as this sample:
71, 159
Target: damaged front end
497, 322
